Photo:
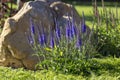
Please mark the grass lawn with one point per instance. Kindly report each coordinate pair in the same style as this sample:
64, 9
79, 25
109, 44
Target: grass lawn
88, 11
112, 72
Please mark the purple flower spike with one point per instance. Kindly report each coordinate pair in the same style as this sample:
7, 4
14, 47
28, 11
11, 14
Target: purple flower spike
79, 42
42, 39
57, 30
74, 31
58, 33
32, 27
67, 33
52, 44
83, 28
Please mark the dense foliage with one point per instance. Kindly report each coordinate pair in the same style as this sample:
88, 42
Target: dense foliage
99, 69
89, 0
73, 51
107, 32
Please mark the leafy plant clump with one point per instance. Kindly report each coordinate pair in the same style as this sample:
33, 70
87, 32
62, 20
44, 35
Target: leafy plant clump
107, 30
63, 50
72, 49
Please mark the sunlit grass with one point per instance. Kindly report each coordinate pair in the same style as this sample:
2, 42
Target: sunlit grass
22, 74
88, 11
14, 6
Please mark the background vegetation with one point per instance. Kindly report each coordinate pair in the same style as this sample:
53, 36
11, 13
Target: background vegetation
91, 0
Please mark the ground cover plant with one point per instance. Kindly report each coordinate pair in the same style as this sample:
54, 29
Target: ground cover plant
79, 59
72, 52
107, 26
103, 69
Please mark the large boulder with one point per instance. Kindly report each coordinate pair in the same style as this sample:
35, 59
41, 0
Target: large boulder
15, 50
64, 10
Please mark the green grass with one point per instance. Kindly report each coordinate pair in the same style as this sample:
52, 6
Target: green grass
13, 5
88, 11
21, 74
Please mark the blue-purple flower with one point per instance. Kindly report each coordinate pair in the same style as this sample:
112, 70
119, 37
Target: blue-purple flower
73, 29
52, 43
79, 42
70, 29
58, 33
57, 30
42, 39
68, 32
83, 26
32, 27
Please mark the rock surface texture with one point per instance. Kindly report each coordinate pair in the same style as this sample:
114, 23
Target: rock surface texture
15, 50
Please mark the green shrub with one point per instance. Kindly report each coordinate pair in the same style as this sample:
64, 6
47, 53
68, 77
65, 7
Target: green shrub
107, 31
67, 52
109, 42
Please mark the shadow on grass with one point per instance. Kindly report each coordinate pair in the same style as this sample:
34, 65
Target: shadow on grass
88, 18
